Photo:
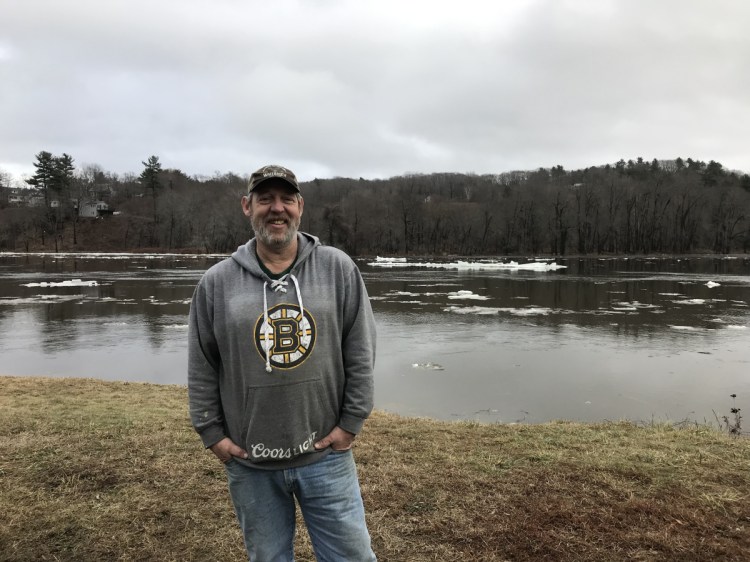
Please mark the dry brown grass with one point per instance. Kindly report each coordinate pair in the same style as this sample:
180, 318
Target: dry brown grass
94, 470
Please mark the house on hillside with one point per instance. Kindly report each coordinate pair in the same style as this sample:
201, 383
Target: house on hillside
93, 209
16, 199
35, 200
21, 197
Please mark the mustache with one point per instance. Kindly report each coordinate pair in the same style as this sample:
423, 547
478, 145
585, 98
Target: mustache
264, 233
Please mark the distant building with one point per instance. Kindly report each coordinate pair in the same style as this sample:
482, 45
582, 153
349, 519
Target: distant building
35, 200
17, 196
25, 197
93, 209
93, 206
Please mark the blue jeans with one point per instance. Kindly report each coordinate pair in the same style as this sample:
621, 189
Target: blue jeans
328, 495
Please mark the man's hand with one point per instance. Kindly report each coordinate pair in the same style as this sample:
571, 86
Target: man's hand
338, 440
226, 449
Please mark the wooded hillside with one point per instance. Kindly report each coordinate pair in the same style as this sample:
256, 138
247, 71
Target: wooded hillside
634, 207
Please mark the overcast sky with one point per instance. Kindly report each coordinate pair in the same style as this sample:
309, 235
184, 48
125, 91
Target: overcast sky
373, 88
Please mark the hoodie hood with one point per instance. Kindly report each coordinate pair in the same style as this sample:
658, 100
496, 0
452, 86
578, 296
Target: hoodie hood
247, 257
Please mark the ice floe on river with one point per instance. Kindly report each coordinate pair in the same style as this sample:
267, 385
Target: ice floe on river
389, 260
487, 310
428, 366
38, 299
467, 295
469, 265
67, 283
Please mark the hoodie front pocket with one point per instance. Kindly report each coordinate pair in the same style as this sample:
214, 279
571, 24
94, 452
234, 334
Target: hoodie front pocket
283, 421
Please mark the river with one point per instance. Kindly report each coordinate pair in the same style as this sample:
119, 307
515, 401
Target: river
586, 339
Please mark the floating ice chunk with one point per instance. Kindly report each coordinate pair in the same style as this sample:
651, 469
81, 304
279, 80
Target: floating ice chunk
68, 283
512, 265
734, 327
467, 295
402, 294
531, 311
712, 284
488, 311
691, 301
390, 260
469, 266
429, 366
546, 267
39, 299
481, 310
631, 306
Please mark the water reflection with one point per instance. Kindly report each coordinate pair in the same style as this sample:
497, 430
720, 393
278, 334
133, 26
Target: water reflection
600, 339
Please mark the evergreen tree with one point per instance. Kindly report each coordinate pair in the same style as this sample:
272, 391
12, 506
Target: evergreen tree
150, 179
63, 174
712, 173
44, 177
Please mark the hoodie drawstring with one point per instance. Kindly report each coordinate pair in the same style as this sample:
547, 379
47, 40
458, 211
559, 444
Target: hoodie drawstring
278, 285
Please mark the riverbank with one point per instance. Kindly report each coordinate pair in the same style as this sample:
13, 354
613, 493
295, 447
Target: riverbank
94, 470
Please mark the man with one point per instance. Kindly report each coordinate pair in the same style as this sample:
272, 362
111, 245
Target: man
280, 386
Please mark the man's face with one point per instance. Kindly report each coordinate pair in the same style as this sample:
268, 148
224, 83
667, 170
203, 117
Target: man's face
274, 212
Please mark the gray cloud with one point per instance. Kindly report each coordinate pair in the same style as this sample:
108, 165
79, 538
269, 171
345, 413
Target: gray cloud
373, 88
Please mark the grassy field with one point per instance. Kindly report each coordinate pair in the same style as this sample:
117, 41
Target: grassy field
97, 471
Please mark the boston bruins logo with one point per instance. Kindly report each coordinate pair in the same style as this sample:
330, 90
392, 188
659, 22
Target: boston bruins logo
289, 337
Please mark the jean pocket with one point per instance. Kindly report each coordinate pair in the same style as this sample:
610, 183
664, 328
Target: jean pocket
341, 451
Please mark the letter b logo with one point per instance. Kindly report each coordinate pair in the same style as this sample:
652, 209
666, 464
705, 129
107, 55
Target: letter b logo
288, 336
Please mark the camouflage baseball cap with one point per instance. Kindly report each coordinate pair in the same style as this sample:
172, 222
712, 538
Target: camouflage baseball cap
269, 172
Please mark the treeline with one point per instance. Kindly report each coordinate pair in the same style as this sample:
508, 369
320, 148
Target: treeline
634, 207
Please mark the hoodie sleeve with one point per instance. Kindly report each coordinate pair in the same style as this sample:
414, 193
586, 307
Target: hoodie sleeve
358, 347
204, 365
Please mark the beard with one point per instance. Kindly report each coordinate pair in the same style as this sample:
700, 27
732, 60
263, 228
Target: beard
268, 238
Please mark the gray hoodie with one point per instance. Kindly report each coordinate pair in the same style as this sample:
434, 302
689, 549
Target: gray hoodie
276, 365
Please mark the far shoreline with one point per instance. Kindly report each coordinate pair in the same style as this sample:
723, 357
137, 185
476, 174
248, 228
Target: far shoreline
191, 252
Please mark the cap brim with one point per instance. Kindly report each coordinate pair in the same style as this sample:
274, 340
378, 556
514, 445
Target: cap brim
261, 181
